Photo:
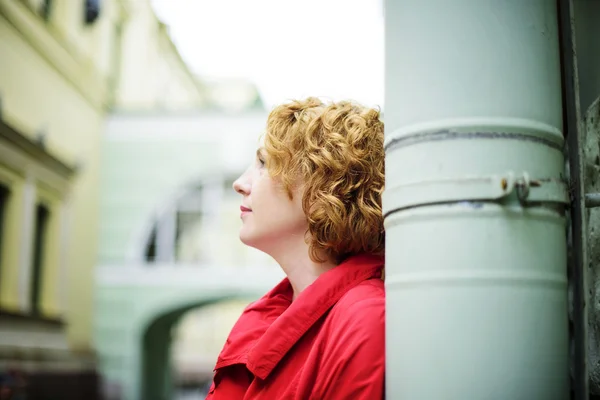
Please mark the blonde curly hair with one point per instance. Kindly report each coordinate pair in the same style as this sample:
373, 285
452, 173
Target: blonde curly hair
335, 152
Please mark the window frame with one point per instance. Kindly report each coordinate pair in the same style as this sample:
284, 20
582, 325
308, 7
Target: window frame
33, 176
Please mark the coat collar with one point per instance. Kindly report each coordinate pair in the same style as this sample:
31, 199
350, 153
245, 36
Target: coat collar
253, 323
293, 321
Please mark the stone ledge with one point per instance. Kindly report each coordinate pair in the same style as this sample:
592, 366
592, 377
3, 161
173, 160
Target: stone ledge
30, 359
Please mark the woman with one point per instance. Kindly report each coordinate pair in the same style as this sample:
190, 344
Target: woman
312, 201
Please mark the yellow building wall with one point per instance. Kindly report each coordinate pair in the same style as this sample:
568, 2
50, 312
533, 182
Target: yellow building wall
9, 278
152, 75
60, 77
94, 42
35, 96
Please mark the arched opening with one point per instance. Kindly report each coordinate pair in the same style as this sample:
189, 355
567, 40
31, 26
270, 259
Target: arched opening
179, 348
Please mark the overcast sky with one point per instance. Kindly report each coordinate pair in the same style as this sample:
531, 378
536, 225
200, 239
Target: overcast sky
289, 49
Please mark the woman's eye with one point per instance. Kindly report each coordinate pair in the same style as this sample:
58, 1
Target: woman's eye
261, 161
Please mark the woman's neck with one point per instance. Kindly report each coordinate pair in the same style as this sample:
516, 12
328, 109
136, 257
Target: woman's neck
300, 269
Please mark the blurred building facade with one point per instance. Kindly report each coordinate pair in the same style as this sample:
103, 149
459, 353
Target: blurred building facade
172, 276
169, 241
64, 66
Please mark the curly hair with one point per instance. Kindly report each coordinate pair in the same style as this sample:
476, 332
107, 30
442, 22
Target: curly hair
335, 151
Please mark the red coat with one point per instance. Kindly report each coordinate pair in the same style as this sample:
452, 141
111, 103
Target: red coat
328, 344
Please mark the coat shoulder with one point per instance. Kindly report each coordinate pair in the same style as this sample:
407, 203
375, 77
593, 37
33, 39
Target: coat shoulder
364, 303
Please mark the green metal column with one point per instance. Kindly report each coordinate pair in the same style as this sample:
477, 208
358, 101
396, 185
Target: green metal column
474, 203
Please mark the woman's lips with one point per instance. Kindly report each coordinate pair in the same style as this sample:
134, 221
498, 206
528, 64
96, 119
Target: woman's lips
245, 210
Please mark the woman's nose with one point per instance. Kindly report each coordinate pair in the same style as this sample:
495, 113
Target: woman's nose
242, 185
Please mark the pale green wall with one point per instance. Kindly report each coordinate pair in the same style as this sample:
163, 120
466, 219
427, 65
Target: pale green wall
125, 310
139, 176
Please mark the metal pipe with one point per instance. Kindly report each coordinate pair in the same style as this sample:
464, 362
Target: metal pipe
592, 200
475, 267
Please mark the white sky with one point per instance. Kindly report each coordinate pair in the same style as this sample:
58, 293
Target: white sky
289, 49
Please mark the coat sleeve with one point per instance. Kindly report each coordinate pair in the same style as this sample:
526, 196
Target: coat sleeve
353, 361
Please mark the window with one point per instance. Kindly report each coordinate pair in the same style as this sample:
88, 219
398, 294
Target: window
201, 226
150, 255
4, 193
190, 225
42, 215
175, 234
36, 184
92, 11
46, 9
188, 236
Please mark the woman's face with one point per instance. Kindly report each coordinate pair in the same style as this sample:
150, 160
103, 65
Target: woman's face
270, 220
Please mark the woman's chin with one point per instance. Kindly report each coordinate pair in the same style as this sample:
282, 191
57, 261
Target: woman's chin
247, 238
258, 243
